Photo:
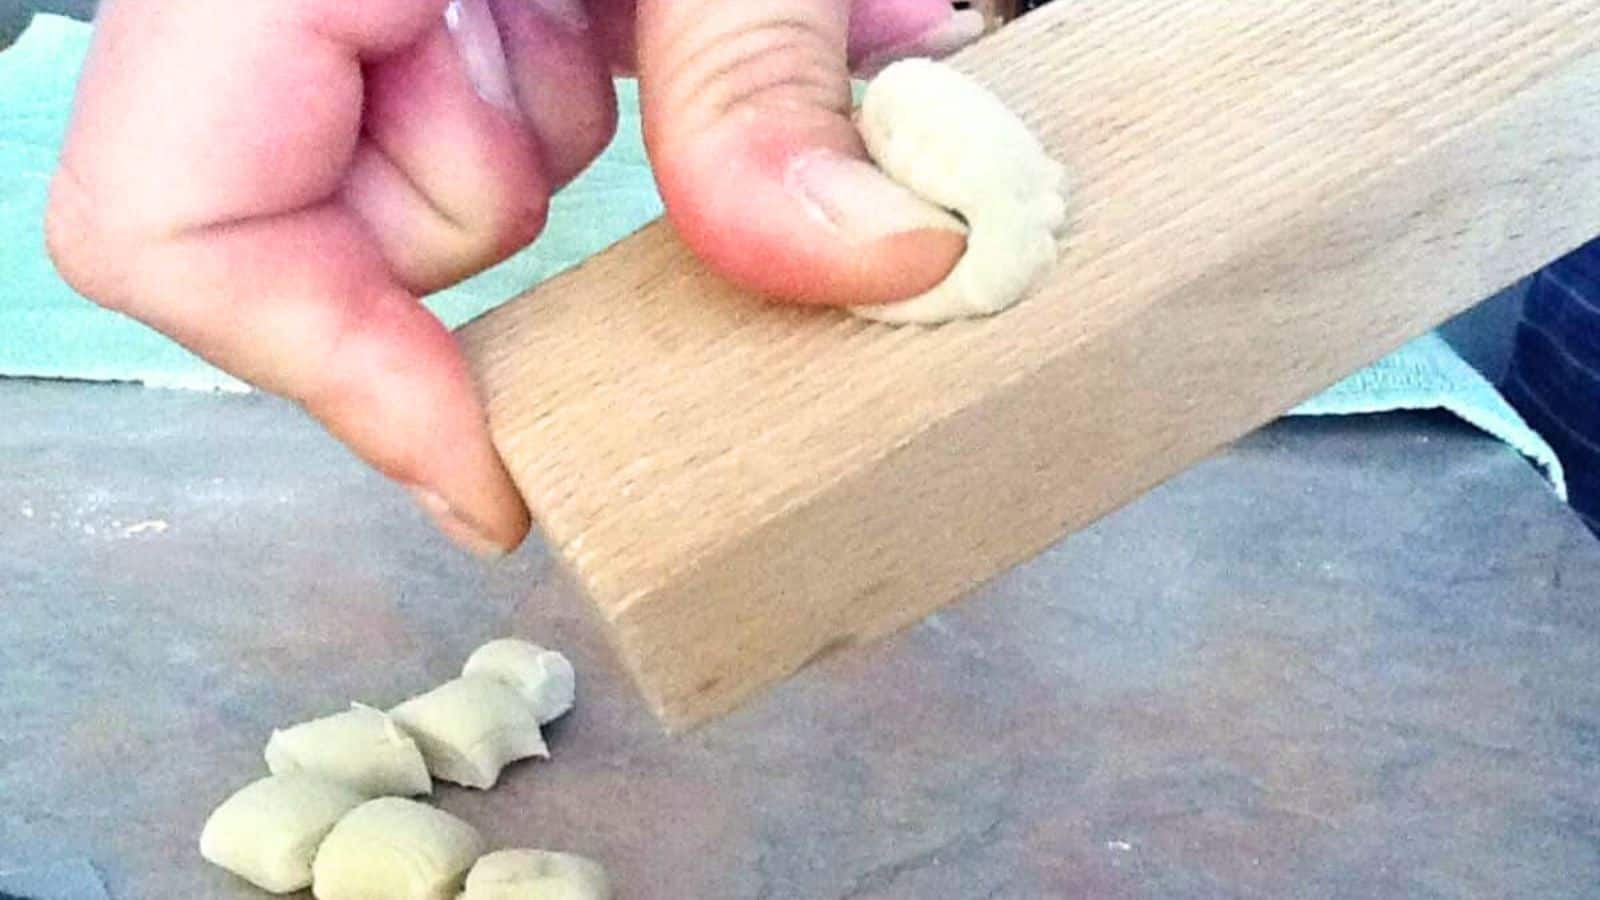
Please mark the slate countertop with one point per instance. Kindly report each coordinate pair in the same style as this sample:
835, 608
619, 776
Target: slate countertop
1345, 658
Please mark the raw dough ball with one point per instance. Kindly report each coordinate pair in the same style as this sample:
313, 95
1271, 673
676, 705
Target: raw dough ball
395, 849
951, 141
537, 875
544, 677
362, 748
471, 728
267, 833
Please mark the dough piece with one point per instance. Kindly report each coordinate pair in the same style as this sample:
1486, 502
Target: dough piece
471, 728
362, 748
267, 833
537, 875
955, 144
395, 849
544, 677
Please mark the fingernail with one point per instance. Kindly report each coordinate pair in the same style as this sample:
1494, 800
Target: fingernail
454, 526
860, 202
567, 13
472, 26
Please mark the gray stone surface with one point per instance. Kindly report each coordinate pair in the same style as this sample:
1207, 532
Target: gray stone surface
1486, 334
14, 14
1344, 659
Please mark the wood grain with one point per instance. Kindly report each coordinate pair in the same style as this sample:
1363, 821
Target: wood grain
1269, 196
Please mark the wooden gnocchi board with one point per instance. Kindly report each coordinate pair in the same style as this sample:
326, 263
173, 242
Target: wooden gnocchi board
1269, 197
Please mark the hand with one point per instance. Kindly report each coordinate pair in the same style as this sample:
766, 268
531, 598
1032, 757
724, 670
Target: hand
275, 183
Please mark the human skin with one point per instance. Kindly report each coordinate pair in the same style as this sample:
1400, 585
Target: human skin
275, 183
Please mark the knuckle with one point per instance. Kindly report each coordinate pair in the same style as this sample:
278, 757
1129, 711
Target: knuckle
516, 224
585, 146
503, 218
81, 245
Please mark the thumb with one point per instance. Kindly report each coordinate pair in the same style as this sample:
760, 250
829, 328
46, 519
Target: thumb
747, 119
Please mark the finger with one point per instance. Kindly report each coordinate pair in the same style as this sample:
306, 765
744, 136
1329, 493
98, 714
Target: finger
882, 31
563, 83
196, 112
301, 305
613, 23
746, 109
449, 173
198, 192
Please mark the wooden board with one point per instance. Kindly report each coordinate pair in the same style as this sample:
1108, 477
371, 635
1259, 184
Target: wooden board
1270, 196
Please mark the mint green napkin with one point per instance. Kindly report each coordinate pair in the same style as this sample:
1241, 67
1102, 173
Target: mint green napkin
1428, 374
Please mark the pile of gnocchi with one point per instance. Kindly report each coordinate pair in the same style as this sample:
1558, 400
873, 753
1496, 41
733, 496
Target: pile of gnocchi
336, 812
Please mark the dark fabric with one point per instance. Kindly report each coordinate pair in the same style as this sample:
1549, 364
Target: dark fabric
1554, 376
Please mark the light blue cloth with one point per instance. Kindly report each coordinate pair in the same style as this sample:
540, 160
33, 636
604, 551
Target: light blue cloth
46, 330
72, 879
1428, 374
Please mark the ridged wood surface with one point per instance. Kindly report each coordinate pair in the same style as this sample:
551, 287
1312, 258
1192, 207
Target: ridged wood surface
1268, 197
